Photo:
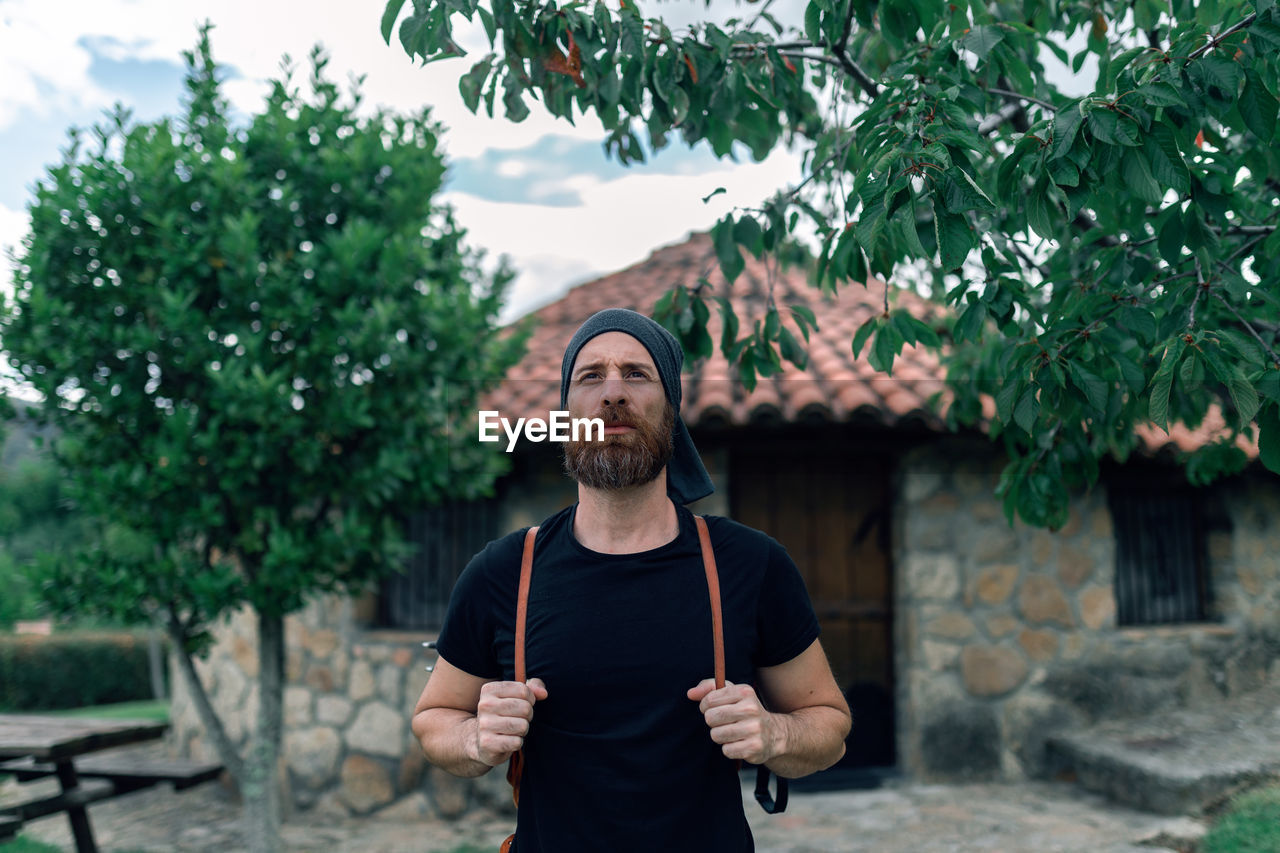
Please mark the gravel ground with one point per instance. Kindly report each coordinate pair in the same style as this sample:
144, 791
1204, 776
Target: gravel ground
897, 818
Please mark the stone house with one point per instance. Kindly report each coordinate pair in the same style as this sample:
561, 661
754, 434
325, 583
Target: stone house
961, 642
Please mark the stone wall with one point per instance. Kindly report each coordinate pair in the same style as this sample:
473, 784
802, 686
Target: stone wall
1005, 634
348, 700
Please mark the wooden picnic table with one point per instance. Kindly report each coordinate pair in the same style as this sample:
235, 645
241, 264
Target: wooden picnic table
59, 741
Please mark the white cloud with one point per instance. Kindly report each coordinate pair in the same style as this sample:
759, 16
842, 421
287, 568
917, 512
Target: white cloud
41, 66
619, 223
45, 60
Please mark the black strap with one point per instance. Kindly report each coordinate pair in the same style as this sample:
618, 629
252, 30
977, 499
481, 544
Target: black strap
771, 805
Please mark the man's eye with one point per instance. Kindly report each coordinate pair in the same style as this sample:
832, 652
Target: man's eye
639, 373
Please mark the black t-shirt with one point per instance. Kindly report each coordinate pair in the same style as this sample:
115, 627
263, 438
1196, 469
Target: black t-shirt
618, 758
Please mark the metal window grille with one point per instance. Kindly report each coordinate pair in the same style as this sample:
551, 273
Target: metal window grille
446, 538
1160, 555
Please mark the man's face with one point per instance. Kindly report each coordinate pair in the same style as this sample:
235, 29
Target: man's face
614, 379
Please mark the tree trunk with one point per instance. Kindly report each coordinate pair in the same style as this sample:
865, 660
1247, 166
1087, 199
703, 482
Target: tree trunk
227, 753
155, 664
261, 787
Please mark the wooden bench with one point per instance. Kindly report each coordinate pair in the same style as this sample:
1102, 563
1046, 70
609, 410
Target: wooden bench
9, 827
127, 773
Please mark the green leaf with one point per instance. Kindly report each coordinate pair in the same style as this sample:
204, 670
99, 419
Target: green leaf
924, 333
805, 320
1095, 389
1220, 72
981, 39
812, 25
1258, 107
1165, 159
1112, 128
1066, 124
1040, 212
1162, 383
472, 83
887, 345
728, 326
791, 349
1161, 94
1137, 177
864, 332
955, 238
1269, 437
1132, 374
1005, 399
389, 15
969, 326
747, 233
730, 257
1170, 239
490, 28
1140, 322
1244, 396
1027, 410
632, 40
1119, 63
517, 110
963, 194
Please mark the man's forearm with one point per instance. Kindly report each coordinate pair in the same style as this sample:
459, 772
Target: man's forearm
812, 739
444, 734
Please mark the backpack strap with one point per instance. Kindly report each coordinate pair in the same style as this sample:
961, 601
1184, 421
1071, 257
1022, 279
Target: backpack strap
766, 801
713, 590
515, 766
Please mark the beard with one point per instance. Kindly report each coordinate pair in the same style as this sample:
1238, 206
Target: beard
625, 459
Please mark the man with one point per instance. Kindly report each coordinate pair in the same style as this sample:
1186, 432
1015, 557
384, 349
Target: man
627, 744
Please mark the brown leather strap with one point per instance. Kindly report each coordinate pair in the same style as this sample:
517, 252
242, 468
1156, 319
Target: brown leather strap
515, 765
713, 589
522, 602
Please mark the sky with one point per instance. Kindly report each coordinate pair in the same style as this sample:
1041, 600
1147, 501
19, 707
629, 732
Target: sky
542, 192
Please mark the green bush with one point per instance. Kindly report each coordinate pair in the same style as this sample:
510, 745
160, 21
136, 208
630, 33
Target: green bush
1251, 824
72, 670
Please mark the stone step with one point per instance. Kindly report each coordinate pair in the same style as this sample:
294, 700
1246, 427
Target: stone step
1178, 762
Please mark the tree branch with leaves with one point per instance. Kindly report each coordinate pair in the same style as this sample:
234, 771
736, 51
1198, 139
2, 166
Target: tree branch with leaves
1073, 315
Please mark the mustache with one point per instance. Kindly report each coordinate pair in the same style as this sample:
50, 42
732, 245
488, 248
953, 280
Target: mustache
613, 415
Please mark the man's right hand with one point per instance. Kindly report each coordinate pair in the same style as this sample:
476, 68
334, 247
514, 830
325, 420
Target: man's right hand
503, 715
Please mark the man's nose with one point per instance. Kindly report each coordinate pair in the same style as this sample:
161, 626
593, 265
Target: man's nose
614, 392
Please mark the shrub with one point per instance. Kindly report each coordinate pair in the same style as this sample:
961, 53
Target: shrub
72, 670
1251, 824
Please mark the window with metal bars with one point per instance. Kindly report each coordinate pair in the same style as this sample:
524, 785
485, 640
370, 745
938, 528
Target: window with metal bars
446, 538
1160, 554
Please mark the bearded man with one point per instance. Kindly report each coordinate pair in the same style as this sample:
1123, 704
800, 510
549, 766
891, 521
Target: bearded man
627, 743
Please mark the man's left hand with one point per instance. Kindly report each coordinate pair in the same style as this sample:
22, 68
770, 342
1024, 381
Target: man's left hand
738, 721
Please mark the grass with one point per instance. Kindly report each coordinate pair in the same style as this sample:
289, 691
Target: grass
22, 844
153, 709
1251, 824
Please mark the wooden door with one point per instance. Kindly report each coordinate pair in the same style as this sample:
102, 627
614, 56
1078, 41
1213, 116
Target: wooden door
828, 505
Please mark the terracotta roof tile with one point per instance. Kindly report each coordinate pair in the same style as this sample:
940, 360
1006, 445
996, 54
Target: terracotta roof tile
834, 386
